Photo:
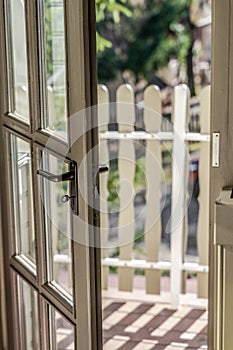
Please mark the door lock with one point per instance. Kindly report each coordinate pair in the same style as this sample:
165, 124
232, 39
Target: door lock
66, 198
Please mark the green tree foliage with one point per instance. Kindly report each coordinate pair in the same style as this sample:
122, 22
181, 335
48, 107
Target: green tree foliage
105, 10
157, 31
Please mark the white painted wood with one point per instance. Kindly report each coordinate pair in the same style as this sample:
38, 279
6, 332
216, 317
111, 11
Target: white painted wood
179, 178
126, 166
153, 168
103, 116
151, 265
204, 196
162, 136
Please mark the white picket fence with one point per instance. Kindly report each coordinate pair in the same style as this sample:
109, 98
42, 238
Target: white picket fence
154, 139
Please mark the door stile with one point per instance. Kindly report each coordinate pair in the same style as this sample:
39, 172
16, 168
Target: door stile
5, 285
3, 334
7, 297
92, 141
6, 321
88, 254
222, 175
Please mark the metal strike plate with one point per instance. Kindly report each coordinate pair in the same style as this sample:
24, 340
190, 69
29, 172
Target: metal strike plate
215, 149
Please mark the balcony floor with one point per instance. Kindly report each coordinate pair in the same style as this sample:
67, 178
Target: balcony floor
147, 326
136, 321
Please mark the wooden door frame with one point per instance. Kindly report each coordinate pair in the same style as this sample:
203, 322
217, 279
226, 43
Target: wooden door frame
221, 122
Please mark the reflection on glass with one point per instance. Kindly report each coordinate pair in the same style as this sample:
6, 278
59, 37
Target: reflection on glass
61, 331
18, 58
58, 230
28, 315
55, 66
23, 203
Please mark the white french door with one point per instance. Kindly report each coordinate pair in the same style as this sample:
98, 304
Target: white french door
52, 290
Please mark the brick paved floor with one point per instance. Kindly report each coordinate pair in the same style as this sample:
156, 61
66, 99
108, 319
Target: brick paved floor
137, 321
135, 325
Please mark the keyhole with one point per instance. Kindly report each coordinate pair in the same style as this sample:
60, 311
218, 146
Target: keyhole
66, 198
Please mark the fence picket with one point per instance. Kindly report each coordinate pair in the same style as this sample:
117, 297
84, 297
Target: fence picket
179, 191
126, 166
153, 166
204, 178
104, 116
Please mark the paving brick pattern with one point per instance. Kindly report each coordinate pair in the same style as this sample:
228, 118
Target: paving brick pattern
134, 325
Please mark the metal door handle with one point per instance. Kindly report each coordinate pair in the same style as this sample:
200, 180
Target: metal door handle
102, 168
71, 176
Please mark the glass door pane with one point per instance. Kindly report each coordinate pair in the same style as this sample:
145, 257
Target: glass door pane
17, 59
61, 331
54, 67
27, 299
22, 199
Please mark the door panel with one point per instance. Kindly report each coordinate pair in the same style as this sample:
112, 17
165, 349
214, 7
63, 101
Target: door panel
47, 220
